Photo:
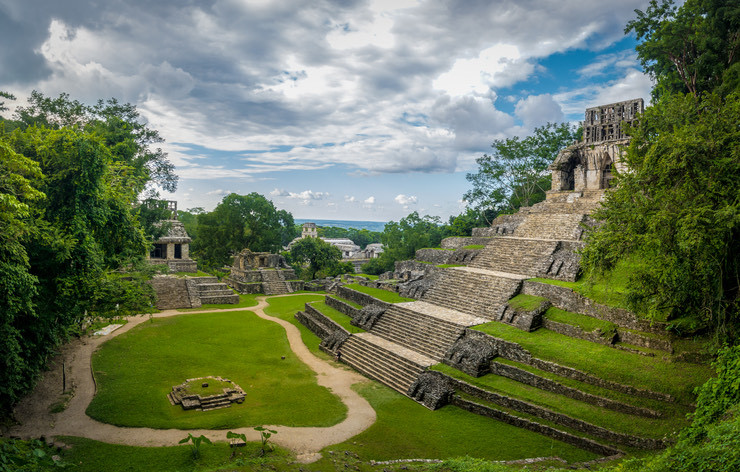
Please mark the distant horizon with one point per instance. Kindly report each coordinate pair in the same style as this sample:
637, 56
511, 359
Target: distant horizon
377, 226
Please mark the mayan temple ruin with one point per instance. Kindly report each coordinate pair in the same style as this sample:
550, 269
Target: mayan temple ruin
402, 340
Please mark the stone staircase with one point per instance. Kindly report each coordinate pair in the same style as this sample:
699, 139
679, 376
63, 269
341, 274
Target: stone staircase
417, 330
477, 292
210, 290
515, 255
274, 283
560, 226
384, 361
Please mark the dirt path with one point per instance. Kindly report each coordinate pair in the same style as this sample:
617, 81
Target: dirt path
36, 420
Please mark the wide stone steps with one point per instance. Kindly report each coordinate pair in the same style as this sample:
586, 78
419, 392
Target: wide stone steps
213, 291
474, 291
561, 226
515, 255
381, 360
427, 335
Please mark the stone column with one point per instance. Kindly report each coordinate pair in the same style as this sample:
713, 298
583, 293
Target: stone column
170, 251
185, 251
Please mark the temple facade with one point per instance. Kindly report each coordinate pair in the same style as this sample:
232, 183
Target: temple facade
588, 165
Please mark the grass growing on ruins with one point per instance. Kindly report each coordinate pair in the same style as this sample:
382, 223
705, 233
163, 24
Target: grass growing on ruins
612, 420
526, 302
474, 246
380, 294
406, 429
607, 289
652, 373
137, 369
586, 323
368, 276
245, 301
337, 316
348, 302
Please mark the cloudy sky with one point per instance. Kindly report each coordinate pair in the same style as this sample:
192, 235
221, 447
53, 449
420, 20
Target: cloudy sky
360, 110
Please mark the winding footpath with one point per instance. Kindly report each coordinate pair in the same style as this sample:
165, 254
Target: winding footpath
76, 360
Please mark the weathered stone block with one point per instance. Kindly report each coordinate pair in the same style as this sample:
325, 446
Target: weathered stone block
472, 353
431, 389
369, 315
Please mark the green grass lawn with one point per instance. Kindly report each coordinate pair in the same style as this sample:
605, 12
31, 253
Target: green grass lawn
245, 301
585, 323
285, 308
87, 455
526, 302
136, 370
337, 316
653, 373
406, 429
380, 294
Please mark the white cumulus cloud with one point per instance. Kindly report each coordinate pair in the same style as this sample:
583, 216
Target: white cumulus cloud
402, 199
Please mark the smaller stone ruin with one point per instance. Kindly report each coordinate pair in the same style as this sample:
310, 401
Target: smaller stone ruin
173, 248
262, 272
186, 394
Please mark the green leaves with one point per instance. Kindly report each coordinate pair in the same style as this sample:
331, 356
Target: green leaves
195, 443
516, 174
677, 209
238, 222
320, 256
692, 49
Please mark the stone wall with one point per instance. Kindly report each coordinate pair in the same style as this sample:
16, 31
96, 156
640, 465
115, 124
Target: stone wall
528, 378
434, 256
358, 297
342, 307
242, 287
172, 292
575, 374
459, 242
514, 352
568, 300
411, 268
549, 415
576, 332
549, 431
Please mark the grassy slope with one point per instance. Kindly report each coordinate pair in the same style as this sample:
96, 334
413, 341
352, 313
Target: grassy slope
337, 316
285, 308
136, 370
615, 421
380, 294
406, 429
675, 378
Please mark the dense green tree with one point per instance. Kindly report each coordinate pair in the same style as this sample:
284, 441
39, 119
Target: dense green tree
692, 49
318, 258
129, 141
678, 209
516, 174
18, 196
401, 240
67, 220
239, 222
8, 96
463, 224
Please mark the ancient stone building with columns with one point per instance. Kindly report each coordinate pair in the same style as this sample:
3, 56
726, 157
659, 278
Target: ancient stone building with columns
588, 165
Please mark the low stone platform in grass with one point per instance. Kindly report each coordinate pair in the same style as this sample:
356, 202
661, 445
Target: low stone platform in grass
206, 393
